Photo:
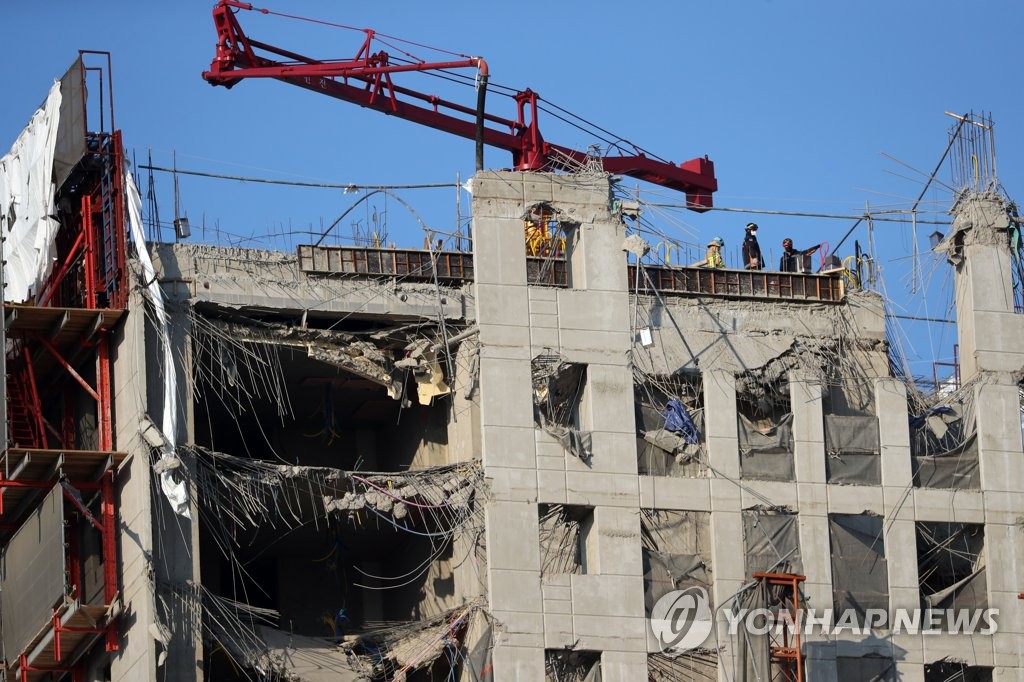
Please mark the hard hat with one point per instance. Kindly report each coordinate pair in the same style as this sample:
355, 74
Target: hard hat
717, 241
787, 242
751, 226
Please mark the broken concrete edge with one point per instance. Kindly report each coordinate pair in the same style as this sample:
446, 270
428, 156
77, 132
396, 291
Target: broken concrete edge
249, 635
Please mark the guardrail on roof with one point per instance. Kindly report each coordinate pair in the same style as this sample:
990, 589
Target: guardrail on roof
457, 266
416, 264
783, 286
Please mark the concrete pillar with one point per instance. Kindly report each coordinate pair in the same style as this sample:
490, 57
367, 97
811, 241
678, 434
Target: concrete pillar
893, 433
988, 331
808, 428
910, 671
720, 423
587, 323
136, 659
517, 664
623, 667
1001, 462
900, 540
178, 560
727, 557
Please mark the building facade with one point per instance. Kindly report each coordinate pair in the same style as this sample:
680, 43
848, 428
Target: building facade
356, 463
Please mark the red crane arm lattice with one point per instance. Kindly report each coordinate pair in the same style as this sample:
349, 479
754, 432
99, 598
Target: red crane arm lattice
238, 56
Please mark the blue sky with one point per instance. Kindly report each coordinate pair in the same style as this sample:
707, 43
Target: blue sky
794, 101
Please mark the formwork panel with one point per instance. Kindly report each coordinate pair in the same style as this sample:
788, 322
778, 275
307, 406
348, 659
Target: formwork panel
32, 574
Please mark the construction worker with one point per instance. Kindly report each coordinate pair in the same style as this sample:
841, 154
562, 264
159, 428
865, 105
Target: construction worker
751, 249
795, 260
714, 257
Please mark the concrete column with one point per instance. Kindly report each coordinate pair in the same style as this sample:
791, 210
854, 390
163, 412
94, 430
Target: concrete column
136, 659
988, 331
894, 433
808, 428
720, 422
999, 437
587, 323
1001, 461
908, 671
727, 558
502, 313
178, 546
513, 568
815, 546
617, 666
900, 540
517, 664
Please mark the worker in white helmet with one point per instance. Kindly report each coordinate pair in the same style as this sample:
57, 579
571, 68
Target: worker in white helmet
751, 249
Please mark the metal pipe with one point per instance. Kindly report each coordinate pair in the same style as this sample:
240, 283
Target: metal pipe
67, 365
481, 97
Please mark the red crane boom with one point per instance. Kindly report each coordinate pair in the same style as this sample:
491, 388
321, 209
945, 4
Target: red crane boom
237, 58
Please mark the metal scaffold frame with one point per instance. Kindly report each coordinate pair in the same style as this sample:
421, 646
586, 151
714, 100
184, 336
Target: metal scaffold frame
784, 639
62, 333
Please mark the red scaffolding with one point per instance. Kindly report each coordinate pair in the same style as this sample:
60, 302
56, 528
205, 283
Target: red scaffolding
783, 591
58, 355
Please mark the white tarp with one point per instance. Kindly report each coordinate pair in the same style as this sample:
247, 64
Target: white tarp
27, 207
176, 492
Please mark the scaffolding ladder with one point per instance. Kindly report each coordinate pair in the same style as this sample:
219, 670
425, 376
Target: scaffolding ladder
784, 652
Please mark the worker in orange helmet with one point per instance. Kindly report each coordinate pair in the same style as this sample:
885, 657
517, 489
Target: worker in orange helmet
714, 256
795, 260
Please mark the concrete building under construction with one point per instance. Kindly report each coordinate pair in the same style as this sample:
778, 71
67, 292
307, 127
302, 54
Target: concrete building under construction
354, 463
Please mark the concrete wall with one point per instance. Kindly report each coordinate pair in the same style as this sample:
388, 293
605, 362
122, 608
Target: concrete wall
738, 336
272, 280
592, 323
154, 543
262, 281
813, 345
988, 329
589, 323
136, 659
989, 332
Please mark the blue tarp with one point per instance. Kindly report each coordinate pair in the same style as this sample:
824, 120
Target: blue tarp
678, 421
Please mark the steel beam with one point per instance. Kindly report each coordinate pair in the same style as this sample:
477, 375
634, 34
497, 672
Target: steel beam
71, 370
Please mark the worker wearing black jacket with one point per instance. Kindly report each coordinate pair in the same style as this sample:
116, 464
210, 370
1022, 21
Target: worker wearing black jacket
752, 250
795, 260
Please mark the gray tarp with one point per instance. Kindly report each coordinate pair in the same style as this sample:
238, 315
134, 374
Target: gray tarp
676, 552
851, 435
956, 468
766, 452
557, 391
865, 669
859, 571
752, 649
70, 145
854, 469
771, 541
853, 449
951, 565
943, 442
